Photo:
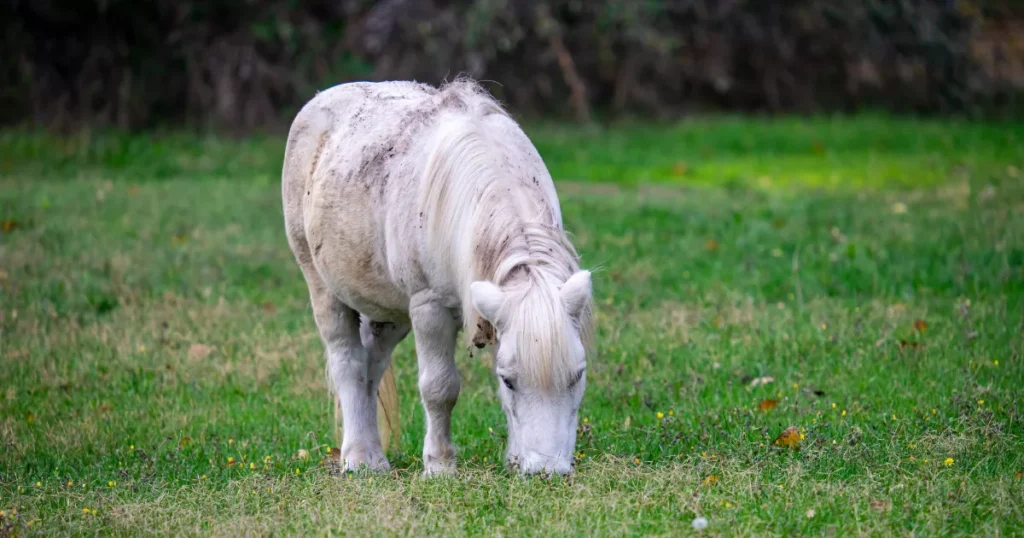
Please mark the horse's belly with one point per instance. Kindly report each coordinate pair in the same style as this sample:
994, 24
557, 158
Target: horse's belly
347, 254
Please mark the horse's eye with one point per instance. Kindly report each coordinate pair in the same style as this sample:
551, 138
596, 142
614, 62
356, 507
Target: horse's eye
508, 383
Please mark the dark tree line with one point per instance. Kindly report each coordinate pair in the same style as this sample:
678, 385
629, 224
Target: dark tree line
249, 63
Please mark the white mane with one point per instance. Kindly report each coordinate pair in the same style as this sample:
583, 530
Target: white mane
516, 238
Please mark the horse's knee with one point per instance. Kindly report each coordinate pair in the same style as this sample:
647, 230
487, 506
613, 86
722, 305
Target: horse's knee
440, 387
348, 364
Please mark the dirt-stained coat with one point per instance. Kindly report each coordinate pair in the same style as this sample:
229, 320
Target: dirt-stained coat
352, 176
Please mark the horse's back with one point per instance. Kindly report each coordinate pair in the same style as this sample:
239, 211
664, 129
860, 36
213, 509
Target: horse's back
344, 148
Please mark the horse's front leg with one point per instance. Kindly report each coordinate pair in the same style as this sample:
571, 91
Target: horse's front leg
436, 330
355, 371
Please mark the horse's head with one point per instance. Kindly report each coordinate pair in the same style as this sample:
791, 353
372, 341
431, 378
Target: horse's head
540, 361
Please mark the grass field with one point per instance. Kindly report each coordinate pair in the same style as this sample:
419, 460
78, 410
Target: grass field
861, 280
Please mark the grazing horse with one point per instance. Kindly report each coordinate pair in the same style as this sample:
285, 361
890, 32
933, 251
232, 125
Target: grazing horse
410, 207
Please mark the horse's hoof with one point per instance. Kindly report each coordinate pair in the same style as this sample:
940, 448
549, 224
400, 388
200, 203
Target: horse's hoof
365, 461
439, 468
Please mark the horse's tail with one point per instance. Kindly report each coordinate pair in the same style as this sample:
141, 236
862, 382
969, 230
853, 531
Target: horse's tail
388, 425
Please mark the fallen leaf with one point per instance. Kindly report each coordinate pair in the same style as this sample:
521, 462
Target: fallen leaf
899, 208
1019, 475
184, 441
710, 480
9, 225
882, 505
303, 453
906, 344
790, 437
761, 381
767, 405
625, 425
332, 461
199, 351
920, 325
810, 513
269, 308
711, 245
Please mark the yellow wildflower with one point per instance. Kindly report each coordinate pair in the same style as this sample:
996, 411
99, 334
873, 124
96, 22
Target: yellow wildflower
833, 405
111, 483
844, 412
661, 415
231, 460
252, 465
948, 462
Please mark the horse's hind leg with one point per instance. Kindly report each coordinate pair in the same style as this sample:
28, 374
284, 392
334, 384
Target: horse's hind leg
353, 372
380, 339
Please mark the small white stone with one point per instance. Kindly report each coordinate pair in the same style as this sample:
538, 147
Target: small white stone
700, 523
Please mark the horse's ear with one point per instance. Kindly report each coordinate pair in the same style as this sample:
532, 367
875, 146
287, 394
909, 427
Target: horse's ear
576, 293
487, 299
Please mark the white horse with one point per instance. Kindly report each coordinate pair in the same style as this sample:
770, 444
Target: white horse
412, 207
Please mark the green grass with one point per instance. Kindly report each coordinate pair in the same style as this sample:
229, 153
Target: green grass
727, 250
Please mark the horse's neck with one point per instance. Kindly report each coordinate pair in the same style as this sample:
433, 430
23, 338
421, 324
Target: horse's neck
511, 234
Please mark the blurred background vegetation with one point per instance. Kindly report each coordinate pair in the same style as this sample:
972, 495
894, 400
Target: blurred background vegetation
249, 64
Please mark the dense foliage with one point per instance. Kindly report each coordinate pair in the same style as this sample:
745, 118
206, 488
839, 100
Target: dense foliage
248, 63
